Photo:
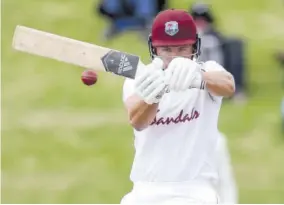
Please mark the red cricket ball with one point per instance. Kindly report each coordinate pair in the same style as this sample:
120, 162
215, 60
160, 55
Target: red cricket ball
89, 77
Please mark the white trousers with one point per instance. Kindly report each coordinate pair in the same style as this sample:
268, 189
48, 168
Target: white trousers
179, 193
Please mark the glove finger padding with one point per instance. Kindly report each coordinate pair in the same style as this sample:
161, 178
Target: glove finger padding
174, 78
179, 67
157, 63
190, 75
156, 94
151, 82
168, 75
140, 79
150, 76
178, 77
184, 74
155, 80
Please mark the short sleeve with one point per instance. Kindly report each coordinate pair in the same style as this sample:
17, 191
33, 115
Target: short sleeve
210, 66
128, 88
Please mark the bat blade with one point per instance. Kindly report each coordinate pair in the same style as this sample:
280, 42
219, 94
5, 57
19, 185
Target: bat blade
75, 52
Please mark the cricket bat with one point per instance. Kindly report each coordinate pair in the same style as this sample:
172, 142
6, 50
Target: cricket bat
79, 53
76, 52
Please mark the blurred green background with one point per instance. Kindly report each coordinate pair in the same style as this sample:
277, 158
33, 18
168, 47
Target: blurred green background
63, 142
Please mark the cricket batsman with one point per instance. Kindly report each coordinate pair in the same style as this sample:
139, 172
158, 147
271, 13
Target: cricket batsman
173, 108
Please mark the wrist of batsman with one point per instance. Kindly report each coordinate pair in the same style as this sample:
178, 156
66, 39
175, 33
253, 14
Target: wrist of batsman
198, 81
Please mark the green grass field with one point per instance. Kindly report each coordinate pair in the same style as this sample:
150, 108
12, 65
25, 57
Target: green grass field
63, 142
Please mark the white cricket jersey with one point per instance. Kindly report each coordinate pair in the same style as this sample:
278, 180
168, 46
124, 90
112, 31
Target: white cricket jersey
180, 141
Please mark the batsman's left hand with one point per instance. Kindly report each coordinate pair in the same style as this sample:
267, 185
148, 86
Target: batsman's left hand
181, 74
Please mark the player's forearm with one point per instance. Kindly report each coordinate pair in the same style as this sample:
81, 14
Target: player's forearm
220, 83
140, 113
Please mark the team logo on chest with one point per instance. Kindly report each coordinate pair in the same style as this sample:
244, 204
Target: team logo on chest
182, 117
171, 28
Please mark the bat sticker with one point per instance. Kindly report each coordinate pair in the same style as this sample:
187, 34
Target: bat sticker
120, 63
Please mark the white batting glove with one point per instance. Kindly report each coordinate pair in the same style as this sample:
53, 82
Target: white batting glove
150, 85
183, 73
212, 66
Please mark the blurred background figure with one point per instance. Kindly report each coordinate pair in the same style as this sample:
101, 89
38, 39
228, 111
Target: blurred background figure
227, 51
226, 185
280, 57
125, 15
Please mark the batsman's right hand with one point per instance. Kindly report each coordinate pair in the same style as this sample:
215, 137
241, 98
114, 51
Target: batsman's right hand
150, 85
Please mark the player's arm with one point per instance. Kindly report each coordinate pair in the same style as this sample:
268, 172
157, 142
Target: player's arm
140, 113
183, 73
148, 89
219, 82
